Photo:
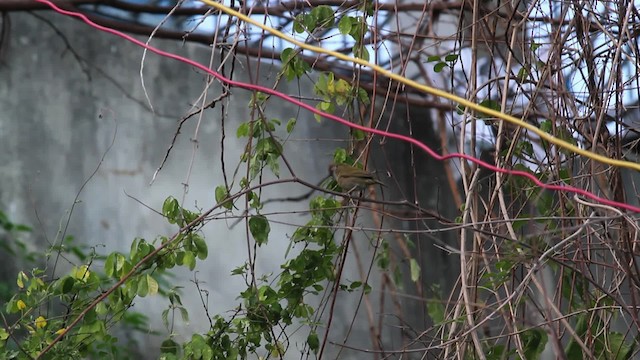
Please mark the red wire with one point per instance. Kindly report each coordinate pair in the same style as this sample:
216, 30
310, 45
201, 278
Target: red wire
565, 188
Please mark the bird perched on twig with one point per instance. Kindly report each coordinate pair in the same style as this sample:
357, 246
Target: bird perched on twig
349, 177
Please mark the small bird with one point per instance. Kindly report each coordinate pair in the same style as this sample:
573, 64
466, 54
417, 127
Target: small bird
350, 178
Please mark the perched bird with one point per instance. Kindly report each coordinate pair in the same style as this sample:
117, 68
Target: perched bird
350, 178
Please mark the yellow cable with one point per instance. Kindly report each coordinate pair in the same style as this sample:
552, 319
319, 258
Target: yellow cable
431, 90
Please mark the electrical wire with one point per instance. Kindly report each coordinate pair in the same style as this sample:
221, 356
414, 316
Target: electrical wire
254, 87
430, 90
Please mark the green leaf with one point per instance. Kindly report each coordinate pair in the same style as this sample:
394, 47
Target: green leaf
325, 16
439, 66
344, 26
565, 175
101, 309
290, 125
4, 334
293, 66
268, 146
114, 265
313, 341
67, 284
534, 342
321, 87
310, 21
189, 260
356, 28
273, 123
169, 347
524, 147
243, 130
297, 25
451, 57
201, 246
318, 117
415, 270
361, 52
255, 200
326, 106
184, 314
286, 55
546, 126
273, 160
619, 349
171, 209
109, 265
290, 72
358, 135
573, 350
435, 309
259, 228
255, 166
490, 104
221, 195
535, 46
383, 256
143, 286
523, 73
367, 289
240, 270
433, 58
120, 263
496, 352
133, 254
340, 156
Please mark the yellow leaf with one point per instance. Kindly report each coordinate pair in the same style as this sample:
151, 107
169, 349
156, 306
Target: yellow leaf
61, 331
21, 278
41, 322
153, 285
4, 334
81, 272
342, 87
21, 305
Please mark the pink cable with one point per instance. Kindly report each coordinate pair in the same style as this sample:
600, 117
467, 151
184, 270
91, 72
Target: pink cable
566, 188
